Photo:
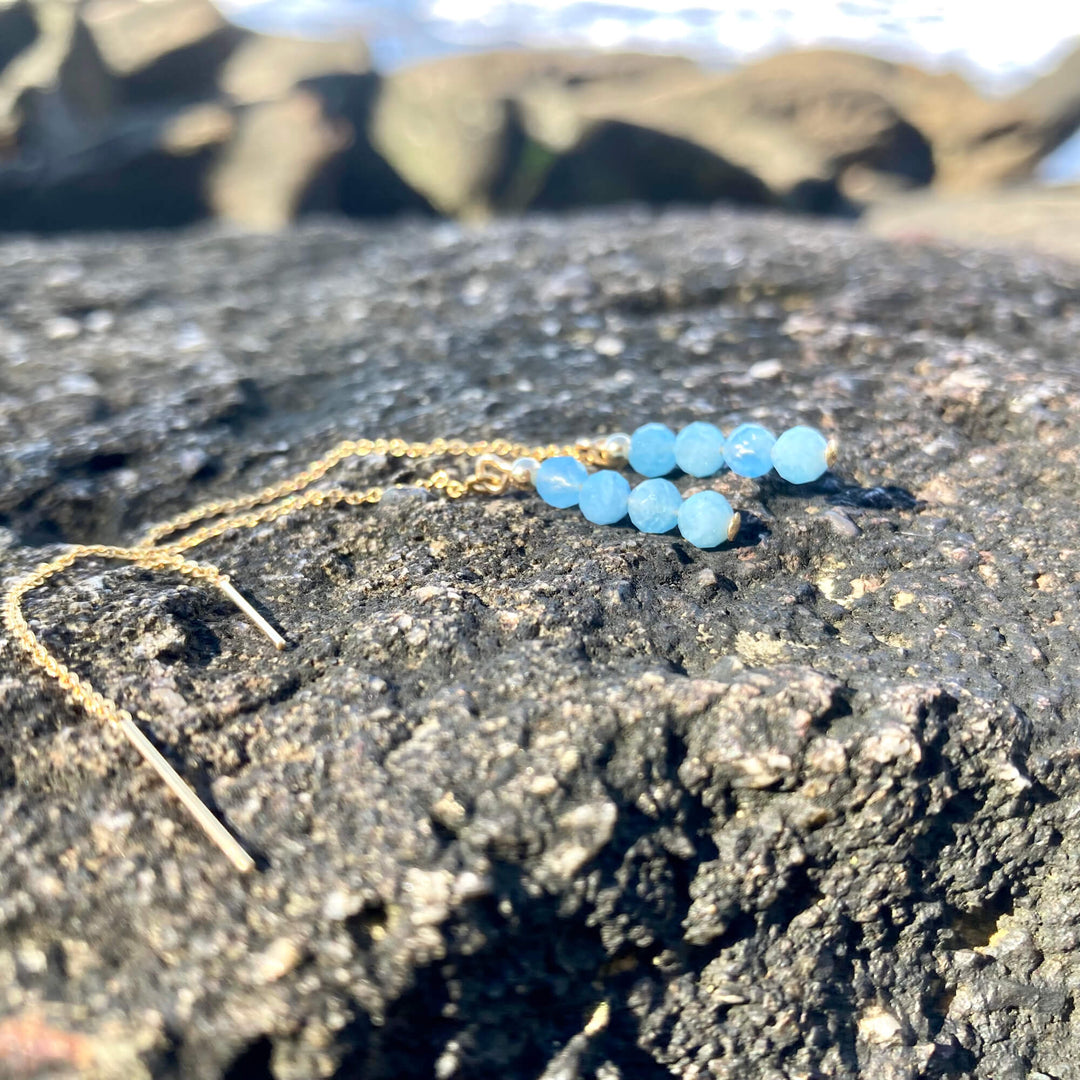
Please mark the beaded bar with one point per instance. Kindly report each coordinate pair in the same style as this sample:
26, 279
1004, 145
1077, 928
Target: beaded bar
705, 519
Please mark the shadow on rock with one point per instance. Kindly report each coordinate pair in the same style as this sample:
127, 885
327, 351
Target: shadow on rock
839, 491
619, 162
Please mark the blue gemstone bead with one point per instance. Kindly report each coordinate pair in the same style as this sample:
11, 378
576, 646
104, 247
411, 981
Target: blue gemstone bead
799, 455
559, 479
699, 449
704, 519
748, 450
654, 505
604, 496
652, 450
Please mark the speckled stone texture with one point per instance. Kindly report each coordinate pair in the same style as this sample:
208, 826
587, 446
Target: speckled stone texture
534, 798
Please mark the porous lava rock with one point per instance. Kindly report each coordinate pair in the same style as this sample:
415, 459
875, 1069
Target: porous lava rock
532, 797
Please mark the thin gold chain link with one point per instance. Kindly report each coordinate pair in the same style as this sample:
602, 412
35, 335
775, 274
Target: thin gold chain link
493, 475
78, 689
360, 448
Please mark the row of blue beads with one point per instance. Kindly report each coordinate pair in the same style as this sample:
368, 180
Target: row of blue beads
654, 506
800, 455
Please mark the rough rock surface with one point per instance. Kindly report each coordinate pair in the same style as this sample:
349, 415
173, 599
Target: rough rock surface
1045, 218
535, 798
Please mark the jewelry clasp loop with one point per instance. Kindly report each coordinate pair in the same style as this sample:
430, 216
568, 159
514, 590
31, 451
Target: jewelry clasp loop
493, 475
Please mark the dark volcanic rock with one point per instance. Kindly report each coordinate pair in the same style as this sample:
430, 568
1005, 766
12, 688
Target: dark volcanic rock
535, 797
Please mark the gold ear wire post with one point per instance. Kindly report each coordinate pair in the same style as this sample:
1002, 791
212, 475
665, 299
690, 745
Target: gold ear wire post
227, 587
192, 803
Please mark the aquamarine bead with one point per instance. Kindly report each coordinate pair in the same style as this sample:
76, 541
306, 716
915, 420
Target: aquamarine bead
652, 450
559, 479
800, 454
699, 449
705, 518
604, 496
654, 505
748, 450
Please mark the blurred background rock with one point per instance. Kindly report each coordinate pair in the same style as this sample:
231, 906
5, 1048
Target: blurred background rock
122, 114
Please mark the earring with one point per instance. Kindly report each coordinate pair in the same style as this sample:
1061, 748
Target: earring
705, 519
558, 473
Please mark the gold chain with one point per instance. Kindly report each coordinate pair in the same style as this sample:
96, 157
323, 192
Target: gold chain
97, 704
501, 449
495, 472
